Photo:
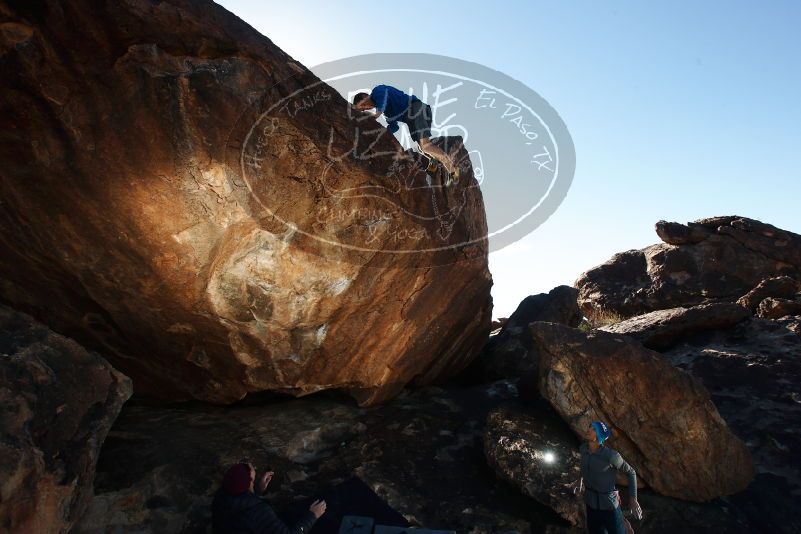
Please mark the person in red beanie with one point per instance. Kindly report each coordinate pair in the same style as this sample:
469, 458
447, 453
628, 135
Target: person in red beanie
236, 509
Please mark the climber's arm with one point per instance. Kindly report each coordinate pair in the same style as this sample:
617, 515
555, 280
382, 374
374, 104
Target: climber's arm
631, 474
379, 96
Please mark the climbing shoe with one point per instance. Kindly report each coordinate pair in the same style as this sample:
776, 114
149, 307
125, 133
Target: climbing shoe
453, 178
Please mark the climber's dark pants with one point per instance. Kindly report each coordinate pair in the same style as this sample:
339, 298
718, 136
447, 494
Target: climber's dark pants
418, 118
605, 521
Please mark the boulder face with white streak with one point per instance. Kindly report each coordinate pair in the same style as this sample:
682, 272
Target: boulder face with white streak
205, 262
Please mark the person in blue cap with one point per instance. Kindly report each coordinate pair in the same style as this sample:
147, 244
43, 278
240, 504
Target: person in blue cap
398, 106
599, 468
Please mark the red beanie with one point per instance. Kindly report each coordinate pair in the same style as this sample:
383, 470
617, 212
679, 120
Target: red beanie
237, 479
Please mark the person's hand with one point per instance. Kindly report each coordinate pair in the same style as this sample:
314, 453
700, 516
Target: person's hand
317, 508
264, 481
636, 511
577, 487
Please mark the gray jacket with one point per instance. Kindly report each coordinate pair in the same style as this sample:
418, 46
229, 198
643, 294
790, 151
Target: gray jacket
599, 470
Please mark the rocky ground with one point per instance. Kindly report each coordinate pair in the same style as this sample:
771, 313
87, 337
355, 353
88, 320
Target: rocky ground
422, 453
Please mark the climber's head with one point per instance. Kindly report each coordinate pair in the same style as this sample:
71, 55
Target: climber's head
598, 432
239, 478
363, 102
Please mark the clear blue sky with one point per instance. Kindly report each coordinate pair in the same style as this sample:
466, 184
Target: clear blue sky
678, 110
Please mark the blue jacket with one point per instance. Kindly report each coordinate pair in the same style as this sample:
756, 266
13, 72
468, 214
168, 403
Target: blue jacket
392, 102
248, 514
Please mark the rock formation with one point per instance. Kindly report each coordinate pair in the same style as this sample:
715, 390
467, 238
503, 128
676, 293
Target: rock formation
509, 354
662, 419
780, 286
212, 218
538, 455
714, 259
663, 328
57, 402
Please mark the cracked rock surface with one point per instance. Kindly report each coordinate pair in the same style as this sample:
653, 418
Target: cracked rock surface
210, 233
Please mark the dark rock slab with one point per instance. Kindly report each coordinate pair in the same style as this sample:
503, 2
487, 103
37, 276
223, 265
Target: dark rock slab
536, 451
663, 328
57, 402
753, 373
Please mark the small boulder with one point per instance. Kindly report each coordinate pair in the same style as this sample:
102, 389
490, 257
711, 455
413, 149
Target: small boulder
57, 403
508, 354
663, 420
538, 454
776, 308
778, 286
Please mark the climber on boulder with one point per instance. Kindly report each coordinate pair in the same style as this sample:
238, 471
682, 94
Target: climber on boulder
236, 509
599, 467
397, 106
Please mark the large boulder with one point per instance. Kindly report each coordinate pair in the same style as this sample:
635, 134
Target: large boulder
509, 354
714, 259
662, 328
662, 418
57, 403
214, 219
536, 451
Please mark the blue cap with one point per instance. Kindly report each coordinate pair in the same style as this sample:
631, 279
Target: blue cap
601, 430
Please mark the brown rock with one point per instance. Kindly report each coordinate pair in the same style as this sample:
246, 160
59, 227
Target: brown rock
537, 453
780, 286
674, 233
661, 329
193, 219
663, 420
509, 354
775, 308
57, 402
710, 260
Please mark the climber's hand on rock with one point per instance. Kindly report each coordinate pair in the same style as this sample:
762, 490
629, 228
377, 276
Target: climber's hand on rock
264, 481
636, 511
317, 508
577, 487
